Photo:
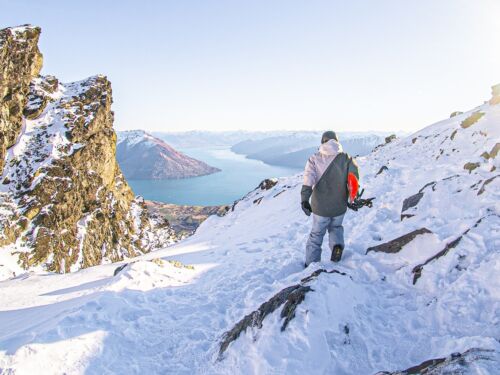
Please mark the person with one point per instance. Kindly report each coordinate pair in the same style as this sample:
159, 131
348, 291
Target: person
331, 182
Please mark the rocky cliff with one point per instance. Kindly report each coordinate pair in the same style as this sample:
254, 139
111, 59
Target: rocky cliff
20, 61
64, 203
144, 157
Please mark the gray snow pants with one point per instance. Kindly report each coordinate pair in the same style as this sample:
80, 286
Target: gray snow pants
319, 227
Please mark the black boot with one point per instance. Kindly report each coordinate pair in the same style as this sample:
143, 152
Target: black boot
336, 254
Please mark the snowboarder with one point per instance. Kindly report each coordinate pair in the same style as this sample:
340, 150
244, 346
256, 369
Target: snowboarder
331, 181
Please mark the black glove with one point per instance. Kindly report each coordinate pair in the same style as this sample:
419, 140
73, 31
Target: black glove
306, 207
358, 202
352, 206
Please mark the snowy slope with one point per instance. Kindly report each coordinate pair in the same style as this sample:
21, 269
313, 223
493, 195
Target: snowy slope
154, 317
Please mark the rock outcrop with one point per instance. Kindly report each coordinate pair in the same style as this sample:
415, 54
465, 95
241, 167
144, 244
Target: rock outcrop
290, 298
20, 61
495, 95
456, 363
144, 157
397, 244
66, 203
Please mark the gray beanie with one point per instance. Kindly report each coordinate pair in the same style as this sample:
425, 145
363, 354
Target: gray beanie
328, 135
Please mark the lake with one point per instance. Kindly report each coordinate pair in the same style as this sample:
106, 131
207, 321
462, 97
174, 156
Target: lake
238, 176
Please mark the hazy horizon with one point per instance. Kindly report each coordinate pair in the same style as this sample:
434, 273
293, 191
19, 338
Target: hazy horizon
282, 65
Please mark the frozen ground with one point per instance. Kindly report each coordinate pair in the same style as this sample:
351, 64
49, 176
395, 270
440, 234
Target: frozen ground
154, 317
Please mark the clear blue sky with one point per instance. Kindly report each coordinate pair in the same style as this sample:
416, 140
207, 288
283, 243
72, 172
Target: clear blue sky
266, 64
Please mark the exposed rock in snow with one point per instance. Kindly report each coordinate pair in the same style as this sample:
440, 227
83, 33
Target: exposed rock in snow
390, 138
397, 244
144, 157
268, 183
472, 119
456, 363
289, 298
417, 270
382, 168
456, 113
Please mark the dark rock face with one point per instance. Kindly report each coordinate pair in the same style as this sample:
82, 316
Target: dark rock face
456, 363
417, 270
144, 157
382, 168
413, 200
397, 244
20, 62
289, 297
255, 318
410, 202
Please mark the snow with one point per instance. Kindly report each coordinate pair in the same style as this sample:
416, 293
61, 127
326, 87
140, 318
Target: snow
133, 137
156, 318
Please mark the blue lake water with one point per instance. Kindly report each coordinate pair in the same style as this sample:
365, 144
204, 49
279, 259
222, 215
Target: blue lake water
238, 176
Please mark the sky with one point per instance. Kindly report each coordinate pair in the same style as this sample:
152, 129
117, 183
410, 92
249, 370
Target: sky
356, 65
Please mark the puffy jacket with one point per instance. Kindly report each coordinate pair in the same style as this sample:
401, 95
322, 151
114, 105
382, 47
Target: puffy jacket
330, 180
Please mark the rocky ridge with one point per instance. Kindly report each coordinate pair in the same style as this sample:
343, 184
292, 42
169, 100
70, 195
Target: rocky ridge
64, 203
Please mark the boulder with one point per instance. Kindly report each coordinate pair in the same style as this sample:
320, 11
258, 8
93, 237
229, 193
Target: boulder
268, 183
390, 138
471, 166
495, 95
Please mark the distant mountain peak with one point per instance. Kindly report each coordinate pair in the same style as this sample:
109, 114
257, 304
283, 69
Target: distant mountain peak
142, 156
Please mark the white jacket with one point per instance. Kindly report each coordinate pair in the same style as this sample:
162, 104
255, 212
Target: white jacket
319, 162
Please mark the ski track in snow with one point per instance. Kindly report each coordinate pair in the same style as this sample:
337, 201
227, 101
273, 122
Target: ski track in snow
154, 318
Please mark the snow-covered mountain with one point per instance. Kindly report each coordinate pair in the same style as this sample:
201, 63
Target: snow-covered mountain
417, 288
293, 150
202, 138
144, 157
251, 141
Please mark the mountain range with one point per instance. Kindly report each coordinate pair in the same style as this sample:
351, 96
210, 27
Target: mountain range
293, 150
